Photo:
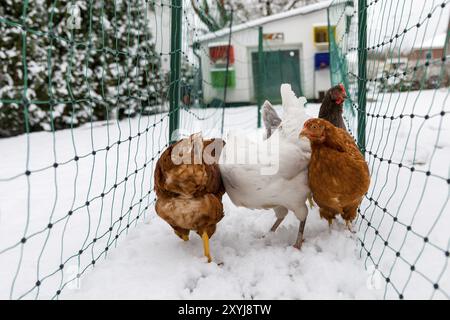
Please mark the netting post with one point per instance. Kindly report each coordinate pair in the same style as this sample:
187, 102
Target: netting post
260, 79
226, 73
330, 49
175, 66
362, 60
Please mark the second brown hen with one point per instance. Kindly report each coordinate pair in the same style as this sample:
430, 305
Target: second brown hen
338, 174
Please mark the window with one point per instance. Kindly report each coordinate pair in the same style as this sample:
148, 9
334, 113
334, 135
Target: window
218, 54
321, 34
321, 60
218, 76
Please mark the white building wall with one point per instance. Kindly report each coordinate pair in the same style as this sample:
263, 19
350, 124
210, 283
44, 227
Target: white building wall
323, 81
298, 34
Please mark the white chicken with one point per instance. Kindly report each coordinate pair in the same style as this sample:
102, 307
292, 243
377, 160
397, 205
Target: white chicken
277, 178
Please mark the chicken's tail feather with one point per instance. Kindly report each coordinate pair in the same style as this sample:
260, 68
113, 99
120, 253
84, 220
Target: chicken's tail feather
270, 118
289, 99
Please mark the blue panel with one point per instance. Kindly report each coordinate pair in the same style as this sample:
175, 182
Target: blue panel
321, 60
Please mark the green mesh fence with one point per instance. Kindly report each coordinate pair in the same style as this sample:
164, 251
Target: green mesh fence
87, 105
86, 102
392, 57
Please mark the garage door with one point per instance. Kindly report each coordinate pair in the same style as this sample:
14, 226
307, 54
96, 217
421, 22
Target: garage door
280, 66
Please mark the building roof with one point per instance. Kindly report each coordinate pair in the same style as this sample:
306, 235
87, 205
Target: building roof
436, 42
261, 21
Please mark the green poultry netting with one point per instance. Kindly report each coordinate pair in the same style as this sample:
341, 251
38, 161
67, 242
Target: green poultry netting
87, 89
392, 57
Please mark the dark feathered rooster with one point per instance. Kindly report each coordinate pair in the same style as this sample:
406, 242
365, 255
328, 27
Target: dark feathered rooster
189, 187
332, 106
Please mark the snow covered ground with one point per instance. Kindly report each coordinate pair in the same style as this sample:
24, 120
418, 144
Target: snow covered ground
248, 263
147, 260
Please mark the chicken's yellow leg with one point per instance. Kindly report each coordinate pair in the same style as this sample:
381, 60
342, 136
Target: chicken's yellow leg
330, 222
205, 239
349, 226
310, 200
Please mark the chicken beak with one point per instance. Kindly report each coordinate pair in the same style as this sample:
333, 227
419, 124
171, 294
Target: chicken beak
304, 133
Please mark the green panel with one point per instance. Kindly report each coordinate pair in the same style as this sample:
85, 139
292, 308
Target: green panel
362, 70
175, 65
259, 81
281, 66
218, 78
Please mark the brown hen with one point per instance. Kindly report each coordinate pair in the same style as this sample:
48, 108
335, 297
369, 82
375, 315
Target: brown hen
189, 187
338, 174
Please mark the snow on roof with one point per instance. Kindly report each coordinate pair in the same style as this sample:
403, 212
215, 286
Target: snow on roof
216, 44
436, 42
257, 22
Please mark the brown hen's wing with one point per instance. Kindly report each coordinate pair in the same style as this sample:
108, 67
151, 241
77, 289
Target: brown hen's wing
214, 184
337, 180
338, 173
163, 164
347, 142
355, 156
212, 150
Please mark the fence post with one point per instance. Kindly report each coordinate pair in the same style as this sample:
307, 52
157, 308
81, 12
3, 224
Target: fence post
362, 59
330, 49
260, 80
175, 66
226, 73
